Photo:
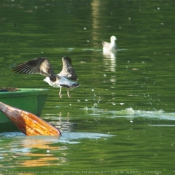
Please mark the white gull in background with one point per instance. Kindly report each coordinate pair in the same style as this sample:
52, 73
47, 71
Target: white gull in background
110, 47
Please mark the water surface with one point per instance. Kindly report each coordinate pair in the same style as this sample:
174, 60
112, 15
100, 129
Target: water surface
121, 119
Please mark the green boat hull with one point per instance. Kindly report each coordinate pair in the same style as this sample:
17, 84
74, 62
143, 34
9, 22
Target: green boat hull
28, 99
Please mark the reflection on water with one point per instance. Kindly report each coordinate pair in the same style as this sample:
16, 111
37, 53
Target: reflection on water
110, 61
38, 151
23, 146
40, 159
111, 55
127, 130
42, 151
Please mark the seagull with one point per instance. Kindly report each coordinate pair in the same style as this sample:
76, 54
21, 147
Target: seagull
110, 47
42, 66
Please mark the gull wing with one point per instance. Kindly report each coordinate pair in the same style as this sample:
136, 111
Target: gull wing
105, 44
67, 69
36, 66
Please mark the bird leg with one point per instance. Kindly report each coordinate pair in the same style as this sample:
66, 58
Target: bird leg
68, 93
60, 92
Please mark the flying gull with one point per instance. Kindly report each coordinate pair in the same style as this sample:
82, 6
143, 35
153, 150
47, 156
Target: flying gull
42, 66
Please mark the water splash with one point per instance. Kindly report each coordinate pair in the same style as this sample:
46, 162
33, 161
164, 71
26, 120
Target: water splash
131, 113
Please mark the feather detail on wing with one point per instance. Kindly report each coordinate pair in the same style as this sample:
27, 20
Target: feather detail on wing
67, 69
105, 44
36, 66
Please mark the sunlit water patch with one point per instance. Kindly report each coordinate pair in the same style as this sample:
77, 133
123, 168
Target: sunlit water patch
68, 137
79, 49
11, 134
38, 151
130, 113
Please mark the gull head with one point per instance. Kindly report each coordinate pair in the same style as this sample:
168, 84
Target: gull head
113, 38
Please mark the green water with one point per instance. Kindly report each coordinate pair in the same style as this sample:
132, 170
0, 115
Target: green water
121, 119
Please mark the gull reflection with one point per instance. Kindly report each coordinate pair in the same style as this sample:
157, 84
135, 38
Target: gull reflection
111, 55
110, 61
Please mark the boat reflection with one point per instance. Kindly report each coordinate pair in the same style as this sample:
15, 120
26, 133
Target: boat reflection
35, 151
46, 154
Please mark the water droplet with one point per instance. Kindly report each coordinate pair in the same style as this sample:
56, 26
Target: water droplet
86, 108
122, 103
130, 110
95, 105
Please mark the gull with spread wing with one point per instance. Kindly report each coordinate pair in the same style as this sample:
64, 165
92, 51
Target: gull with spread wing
42, 66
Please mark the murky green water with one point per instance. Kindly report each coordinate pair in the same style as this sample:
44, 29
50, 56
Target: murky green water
121, 119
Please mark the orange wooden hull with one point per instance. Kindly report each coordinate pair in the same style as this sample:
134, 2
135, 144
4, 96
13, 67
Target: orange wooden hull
28, 123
